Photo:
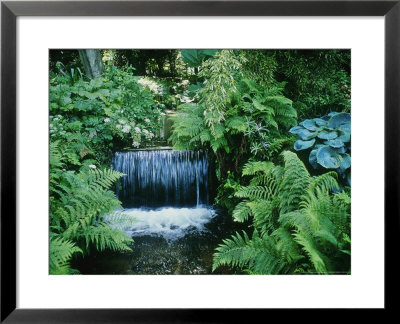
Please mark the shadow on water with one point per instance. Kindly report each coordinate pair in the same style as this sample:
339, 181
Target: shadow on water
178, 239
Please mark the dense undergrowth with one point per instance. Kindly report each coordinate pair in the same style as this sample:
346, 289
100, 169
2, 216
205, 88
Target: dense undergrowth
276, 123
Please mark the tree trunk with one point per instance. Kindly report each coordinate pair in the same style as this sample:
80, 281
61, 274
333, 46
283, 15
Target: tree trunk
91, 60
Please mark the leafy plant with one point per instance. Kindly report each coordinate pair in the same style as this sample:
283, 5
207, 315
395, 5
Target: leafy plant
79, 202
299, 225
195, 57
117, 109
328, 138
318, 81
234, 117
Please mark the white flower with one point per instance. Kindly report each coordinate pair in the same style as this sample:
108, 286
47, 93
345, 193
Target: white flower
55, 119
119, 126
121, 121
107, 120
185, 82
145, 131
135, 144
91, 135
126, 129
92, 166
63, 132
137, 130
147, 120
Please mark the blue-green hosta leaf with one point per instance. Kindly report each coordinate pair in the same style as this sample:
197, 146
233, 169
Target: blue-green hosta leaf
328, 157
339, 119
313, 158
309, 124
335, 143
305, 134
327, 135
341, 150
344, 136
346, 162
303, 145
296, 129
320, 122
345, 127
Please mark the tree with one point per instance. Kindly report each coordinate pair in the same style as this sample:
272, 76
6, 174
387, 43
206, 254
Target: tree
92, 63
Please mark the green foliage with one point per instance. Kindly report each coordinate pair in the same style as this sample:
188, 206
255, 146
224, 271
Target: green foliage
238, 105
328, 139
318, 81
233, 117
195, 57
61, 251
300, 225
79, 202
115, 109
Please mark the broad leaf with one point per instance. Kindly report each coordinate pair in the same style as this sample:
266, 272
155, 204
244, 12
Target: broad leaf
328, 157
335, 143
339, 119
309, 124
303, 145
327, 135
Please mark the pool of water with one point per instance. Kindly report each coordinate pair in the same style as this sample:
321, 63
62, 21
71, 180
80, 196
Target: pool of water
166, 241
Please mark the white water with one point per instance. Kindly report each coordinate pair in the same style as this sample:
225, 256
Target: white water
169, 222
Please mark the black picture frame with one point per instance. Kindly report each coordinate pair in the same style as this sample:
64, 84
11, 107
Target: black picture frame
10, 10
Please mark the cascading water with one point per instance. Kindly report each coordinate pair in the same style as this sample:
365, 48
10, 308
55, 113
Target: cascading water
165, 192
162, 178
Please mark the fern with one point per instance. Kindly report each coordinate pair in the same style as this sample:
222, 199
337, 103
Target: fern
79, 203
295, 181
61, 251
241, 212
258, 254
251, 168
300, 224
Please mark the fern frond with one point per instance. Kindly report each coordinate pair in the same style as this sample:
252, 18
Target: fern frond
254, 192
251, 168
258, 254
326, 181
61, 251
241, 212
296, 180
236, 124
103, 236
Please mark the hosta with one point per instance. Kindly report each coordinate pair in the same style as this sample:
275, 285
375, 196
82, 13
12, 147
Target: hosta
329, 140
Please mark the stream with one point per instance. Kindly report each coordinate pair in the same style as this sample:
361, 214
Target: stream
165, 198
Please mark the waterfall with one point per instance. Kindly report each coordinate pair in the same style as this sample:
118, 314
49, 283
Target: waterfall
160, 178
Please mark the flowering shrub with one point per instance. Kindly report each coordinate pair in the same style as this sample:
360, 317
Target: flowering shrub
115, 111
